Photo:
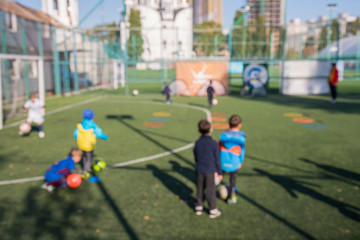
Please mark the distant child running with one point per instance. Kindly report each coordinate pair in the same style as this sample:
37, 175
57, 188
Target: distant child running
36, 109
210, 91
85, 135
167, 92
232, 153
55, 176
207, 158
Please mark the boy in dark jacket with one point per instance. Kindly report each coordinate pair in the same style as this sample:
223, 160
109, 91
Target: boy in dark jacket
208, 167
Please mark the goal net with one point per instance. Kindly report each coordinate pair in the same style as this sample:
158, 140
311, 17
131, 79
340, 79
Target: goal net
20, 76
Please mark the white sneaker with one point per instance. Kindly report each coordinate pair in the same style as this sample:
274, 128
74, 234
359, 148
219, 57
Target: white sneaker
48, 188
214, 213
198, 210
41, 134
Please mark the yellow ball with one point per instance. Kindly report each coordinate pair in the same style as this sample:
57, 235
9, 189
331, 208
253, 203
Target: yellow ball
98, 165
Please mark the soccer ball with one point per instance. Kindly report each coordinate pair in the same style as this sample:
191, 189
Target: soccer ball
73, 180
214, 101
98, 165
24, 128
135, 92
223, 192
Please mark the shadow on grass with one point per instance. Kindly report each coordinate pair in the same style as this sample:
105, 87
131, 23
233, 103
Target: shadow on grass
314, 175
48, 216
117, 211
275, 216
177, 187
122, 118
306, 102
335, 170
189, 173
293, 187
277, 164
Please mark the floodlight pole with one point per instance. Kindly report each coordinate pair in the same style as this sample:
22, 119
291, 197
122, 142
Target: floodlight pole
331, 7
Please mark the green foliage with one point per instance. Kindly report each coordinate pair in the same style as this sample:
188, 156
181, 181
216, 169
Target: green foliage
353, 27
135, 41
256, 42
322, 38
238, 45
204, 36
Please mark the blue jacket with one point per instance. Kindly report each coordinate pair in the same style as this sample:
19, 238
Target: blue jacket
60, 169
90, 124
232, 149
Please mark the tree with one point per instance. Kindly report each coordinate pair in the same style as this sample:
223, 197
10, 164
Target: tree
353, 27
322, 39
135, 41
309, 49
257, 37
238, 47
205, 34
335, 30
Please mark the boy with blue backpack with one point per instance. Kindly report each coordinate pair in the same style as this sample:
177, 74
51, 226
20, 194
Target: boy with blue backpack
232, 153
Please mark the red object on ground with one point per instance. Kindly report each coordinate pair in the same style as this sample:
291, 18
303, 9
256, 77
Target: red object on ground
73, 180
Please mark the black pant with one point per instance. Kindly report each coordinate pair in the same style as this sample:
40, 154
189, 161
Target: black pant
210, 100
206, 181
333, 92
87, 160
232, 184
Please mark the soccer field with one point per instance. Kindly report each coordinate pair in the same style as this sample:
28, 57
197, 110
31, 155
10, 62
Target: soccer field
299, 180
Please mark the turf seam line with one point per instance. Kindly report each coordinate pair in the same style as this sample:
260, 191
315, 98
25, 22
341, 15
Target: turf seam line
55, 111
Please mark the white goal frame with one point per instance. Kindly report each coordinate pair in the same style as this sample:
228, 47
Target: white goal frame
40, 63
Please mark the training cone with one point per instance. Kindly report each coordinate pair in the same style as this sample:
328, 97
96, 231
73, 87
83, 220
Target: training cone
73, 180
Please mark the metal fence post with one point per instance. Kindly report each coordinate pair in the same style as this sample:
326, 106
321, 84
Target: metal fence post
56, 63
76, 75
41, 53
66, 65
24, 49
5, 61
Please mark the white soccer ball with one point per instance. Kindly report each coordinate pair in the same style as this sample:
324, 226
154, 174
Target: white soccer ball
135, 92
24, 128
214, 101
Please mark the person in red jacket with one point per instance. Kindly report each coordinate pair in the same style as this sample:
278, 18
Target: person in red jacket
333, 81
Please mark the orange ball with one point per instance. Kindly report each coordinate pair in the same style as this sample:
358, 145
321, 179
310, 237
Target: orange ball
73, 180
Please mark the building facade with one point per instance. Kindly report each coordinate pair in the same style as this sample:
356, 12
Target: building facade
166, 28
25, 31
272, 10
206, 11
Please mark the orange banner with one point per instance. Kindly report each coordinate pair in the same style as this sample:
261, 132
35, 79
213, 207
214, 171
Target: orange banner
193, 78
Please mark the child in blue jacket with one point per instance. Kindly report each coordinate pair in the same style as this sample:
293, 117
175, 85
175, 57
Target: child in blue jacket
85, 135
232, 153
55, 176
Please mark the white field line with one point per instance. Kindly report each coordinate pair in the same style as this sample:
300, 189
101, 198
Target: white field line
144, 159
56, 111
122, 164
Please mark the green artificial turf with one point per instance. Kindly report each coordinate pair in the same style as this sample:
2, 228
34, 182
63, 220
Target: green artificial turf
295, 183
